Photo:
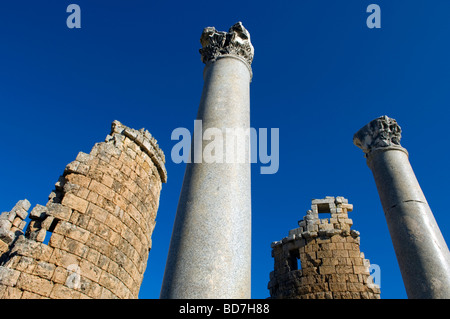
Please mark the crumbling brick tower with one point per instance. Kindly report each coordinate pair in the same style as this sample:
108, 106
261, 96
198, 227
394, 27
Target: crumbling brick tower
331, 264
98, 224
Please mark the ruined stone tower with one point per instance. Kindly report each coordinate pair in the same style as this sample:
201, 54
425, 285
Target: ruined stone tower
92, 238
321, 259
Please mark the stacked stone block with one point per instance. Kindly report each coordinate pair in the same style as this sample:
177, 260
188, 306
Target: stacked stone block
92, 238
321, 259
12, 224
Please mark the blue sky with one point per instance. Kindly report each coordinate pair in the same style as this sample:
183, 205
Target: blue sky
319, 75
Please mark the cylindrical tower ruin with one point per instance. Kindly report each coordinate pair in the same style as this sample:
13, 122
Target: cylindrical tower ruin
321, 259
93, 237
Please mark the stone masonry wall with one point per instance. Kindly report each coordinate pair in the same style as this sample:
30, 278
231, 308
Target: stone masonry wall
331, 264
92, 238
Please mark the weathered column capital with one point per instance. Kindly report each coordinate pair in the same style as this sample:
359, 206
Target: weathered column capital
234, 43
382, 133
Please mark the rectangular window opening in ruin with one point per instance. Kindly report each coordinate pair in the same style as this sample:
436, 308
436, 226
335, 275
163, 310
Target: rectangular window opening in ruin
50, 230
53, 225
293, 260
323, 208
47, 239
324, 211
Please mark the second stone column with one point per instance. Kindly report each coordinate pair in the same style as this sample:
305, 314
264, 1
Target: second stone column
421, 250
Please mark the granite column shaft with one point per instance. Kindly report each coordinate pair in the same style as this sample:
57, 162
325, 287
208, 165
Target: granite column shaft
210, 249
420, 248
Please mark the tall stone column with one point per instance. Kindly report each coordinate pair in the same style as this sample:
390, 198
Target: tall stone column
421, 251
210, 250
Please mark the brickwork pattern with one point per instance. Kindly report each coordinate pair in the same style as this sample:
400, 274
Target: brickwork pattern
331, 264
93, 237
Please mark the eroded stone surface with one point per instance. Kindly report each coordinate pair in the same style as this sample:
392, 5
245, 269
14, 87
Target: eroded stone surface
98, 223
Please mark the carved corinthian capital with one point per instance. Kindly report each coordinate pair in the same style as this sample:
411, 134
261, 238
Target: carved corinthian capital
380, 133
234, 42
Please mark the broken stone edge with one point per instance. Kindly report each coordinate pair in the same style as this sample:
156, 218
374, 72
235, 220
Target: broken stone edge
146, 141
